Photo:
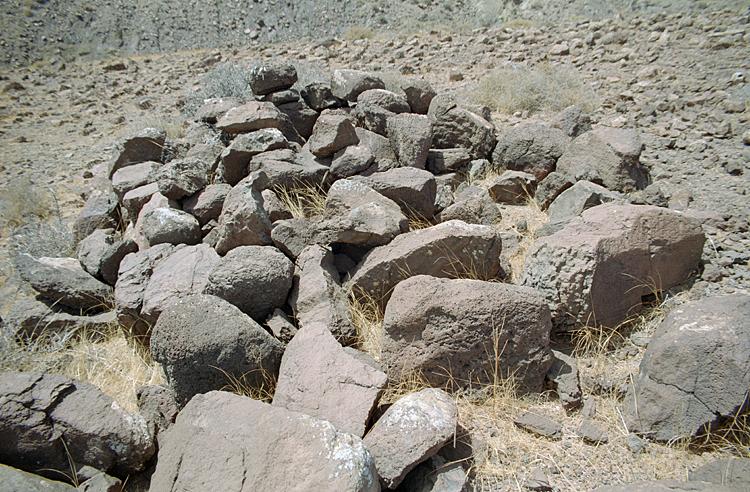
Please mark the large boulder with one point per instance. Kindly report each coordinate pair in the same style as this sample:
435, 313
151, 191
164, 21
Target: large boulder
606, 156
412, 430
14, 480
63, 280
395, 103
29, 319
411, 137
169, 225
331, 133
601, 266
380, 147
287, 169
412, 189
224, 441
141, 146
243, 220
695, 373
182, 273
349, 84
256, 279
48, 421
203, 342
236, 157
454, 126
317, 296
462, 330
532, 148
101, 252
99, 212
266, 78
321, 378
450, 249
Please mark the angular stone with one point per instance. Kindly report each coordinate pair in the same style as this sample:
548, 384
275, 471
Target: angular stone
411, 137
598, 268
563, 374
228, 442
131, 177
266, 78
410, 431
445, 250
14, 480
29, 319
436, 474
320, 97
454, 126
181, 178
206, 205
532, 148
243, 221
372, 117
41, 411
550, 188
448, 330
99, 212
281, 326
473, 206
252, 116
442, 161
203, 342
168, 225
332, 132
666, 486
349, 84
101, 252
695, 372
142, 146
290, 170
214, 108
731, 471
302, 116
134, 200
581, 196
274, 207
236, 157
391, 101
256, 279
380, 147
592, 433
539, 424
572, 121
159, 407
136, 232
512, 187
412, 189
350, 161
419, 94
320, 378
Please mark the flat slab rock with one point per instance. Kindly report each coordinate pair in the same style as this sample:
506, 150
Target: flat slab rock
410, 431
222, 441
666, 486
539, 424
15, 480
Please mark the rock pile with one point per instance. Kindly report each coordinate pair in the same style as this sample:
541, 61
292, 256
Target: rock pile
197, 251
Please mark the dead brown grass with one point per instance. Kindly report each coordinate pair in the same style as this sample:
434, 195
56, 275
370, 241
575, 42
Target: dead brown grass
366, 313
303, 200
534, 217
22, 201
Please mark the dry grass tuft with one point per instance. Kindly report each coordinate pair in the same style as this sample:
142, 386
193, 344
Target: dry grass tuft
107, 359
21, 201
545, 87
358, 32
240, 385
172, 124
533, 218
303, 200
366, 313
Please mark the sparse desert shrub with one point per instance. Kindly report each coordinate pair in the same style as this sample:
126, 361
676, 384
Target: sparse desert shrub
545, 87
22, 201
358, 32
224, 80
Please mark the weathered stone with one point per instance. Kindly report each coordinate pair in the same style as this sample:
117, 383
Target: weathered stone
142, 146
14, 480
214, 108
419, 94
291, 171
380, 147
320, 378
731, 471
695, 372
47, 421
281, 326
101, 252
454, 126
317, 296
539, 424
599, 266
181, 178
206, 204
350, 161
592, 433
563, 374
274, 207
444, 250
512, 187
410, 431
236, 157
331, 133
136, 232
442, 161
134, 200
666, 486
203, 342
436, 475
302, 116
532, 148
93, 480
572, 202
252, 116
29, 319
550, 188
256, 279
349, 84
224, 441
372, 117
99, 212
445, 329
131, 177
411, 137
243, 221
473, 206
158, 405
168, 225
395, 103
320, 97
572, 121
412, 189
266, 78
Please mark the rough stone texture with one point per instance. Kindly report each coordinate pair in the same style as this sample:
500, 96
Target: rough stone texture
731, 471
131, 177
572, 121
303, 117
666, 486
144, 145
15, 480
352, 160
410, 431
317, 296
39, 411
319, 97
252, 116
182, 273
202, 341
136, 198
256, 279
454, 126
563, 374
592, 432
444, 250
29, 318
412, 189
291, 170
436, 475
135, 231
206, 204
99, 212
281, 326
168, 225
581, 196
419, 94
101, 252
539, 425
159, 407
395, 103
134, 274
331, 133
93, 480
235, 158
243, 220
695, 372
63, 280
442, 161
532, 148
473, 206
597, 268
380, 146
411, 137
606, 156
440, 326
274, 207
266, 78
349, 84
319, 377
550, 188
223, 441
181, 178
512, 187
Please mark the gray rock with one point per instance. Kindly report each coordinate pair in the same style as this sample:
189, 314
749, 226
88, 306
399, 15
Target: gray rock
182, 273
158, 405
135, 199
410, 431
206, 205
572, 121
14, 480
181, 178
243, 220
436, 475
214, 108
168, 225
530, 147
442, 161
142, 146
372, 117
349, 84
93, 480
539, 425
563, 374
731, 471
445, 250
99, 212
695, 372
411, 137
447, 331
291, 170
380, 147
64, 281
281, 326
229, 442
473, 206
331, 133
454, 126
266, 78
319, 377
599, 266
350, 161
131, 177
538, 481
29, 319
40, 411
395, 103
101, 252
203, 342
665, 486
302, 116
512, 187
236, 157
419, 94
135, 231
412, 189
252, 116
581, 196
256, 279
635, 444
320, 97
592, 433
550, 188
274, 207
